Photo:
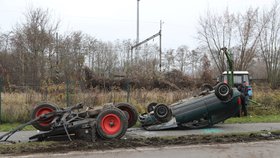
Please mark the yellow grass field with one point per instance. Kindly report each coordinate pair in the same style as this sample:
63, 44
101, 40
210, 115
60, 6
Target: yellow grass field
17, 107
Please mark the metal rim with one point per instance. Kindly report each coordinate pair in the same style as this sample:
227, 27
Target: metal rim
42, 111
111, 124
162, 111
224, 90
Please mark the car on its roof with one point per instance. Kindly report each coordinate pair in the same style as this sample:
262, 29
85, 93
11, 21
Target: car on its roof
210, 107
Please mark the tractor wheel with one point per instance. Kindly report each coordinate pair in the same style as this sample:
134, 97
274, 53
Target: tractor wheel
223, 91
162, 113
131, 111
111, 123
41, 109
151, 107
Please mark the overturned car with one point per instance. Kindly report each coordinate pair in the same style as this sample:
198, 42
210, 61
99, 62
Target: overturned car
212, 106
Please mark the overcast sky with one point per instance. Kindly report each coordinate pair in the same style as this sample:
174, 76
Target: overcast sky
109, 20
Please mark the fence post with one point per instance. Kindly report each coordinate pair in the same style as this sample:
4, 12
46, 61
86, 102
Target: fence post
1, 85
67, 93
128, 90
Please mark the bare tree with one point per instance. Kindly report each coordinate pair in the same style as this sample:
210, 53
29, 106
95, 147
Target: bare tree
248, 36
216, 32
182, 57
31, 41
270, 44
170, 59
206, 76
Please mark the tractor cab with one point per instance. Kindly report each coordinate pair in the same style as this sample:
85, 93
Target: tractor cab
240, 78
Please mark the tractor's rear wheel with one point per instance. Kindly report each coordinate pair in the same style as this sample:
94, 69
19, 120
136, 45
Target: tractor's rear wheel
111, 123
39, 110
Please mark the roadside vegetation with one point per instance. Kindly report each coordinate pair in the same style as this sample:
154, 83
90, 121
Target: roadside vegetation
5, 127
17, 107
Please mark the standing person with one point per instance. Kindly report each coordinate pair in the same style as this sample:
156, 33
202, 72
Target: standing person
244, 98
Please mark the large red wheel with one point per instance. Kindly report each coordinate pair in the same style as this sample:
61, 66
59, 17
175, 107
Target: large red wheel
41, 109
131, 111
111, 123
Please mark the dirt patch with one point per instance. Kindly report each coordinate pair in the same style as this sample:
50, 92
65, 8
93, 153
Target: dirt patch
78, 145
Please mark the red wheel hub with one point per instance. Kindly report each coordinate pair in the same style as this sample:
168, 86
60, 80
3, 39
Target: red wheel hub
111, 124
43, 111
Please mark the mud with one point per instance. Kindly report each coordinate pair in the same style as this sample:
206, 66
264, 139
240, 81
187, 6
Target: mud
78, 145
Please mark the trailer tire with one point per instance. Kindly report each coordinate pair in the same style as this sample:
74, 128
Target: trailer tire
111, 123
131, 111
223, 91
163, 113
40, 109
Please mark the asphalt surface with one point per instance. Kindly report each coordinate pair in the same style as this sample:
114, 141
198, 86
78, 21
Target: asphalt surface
216, 129
23, 136
265, 149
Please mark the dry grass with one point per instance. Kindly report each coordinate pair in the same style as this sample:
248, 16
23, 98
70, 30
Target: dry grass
267, 101
16, 107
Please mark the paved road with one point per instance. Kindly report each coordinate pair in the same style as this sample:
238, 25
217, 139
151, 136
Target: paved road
267, 149
217, 129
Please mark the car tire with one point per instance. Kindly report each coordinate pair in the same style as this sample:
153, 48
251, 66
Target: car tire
207, 87
131, 111
151, 107
223, 91
41, 109
163, 113
111, 123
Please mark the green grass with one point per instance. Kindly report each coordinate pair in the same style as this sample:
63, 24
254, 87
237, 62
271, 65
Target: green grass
9, 126
254, 119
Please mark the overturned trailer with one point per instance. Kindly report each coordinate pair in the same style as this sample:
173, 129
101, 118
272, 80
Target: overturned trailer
212, 106
79, 122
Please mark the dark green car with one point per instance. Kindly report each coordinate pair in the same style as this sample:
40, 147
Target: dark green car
209, 108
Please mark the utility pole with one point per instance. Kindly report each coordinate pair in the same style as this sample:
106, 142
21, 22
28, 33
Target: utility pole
137, 31
160, 51
137, 35
148, 39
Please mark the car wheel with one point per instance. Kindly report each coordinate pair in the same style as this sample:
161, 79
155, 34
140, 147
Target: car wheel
206, 87
111, 123
41, 109
162, 113
223, 91
151, 107
131, 111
